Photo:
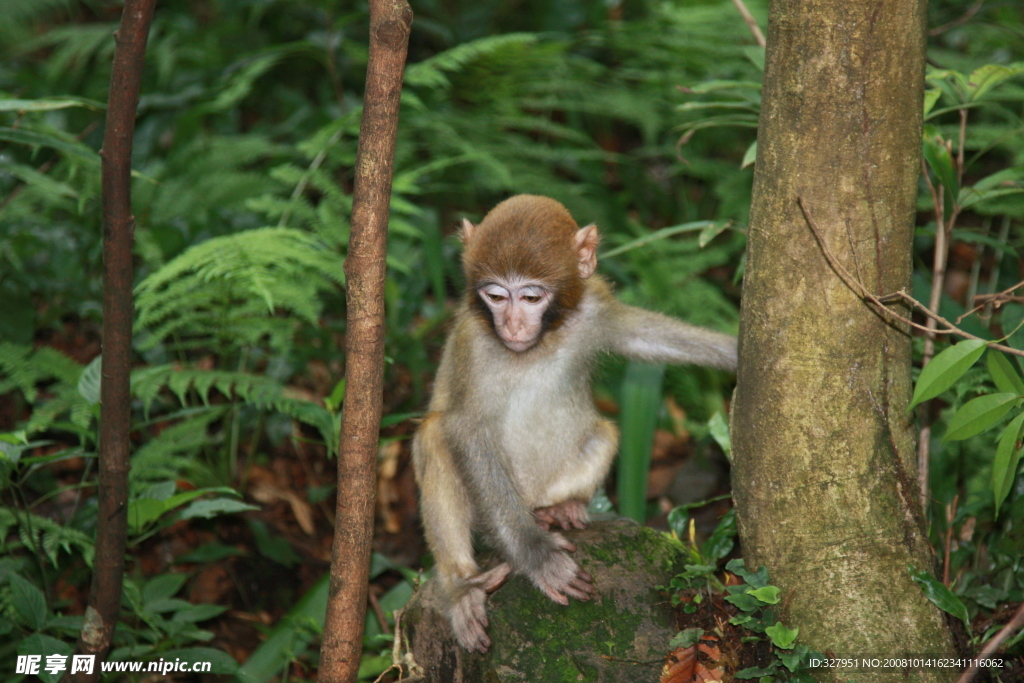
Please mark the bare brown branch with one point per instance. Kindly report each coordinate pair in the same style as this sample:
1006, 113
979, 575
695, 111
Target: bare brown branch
993, 644
879, 302
118, 311
390, 21
750, 21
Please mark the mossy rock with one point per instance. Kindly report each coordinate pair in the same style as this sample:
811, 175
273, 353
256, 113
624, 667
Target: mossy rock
621, 634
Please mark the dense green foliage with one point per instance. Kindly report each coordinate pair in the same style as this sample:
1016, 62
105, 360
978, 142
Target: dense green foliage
639, 117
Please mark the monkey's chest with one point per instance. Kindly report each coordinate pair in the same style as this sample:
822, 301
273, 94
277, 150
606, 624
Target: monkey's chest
545, 419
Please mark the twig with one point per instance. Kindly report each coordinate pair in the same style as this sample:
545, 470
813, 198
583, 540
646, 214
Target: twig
365, 271
964, 18
950, 515
993, 276
96, 637
996, 300
993, 644
880, 301
751, 22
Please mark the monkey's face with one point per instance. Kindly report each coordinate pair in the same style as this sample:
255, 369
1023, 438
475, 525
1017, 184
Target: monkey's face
517, 309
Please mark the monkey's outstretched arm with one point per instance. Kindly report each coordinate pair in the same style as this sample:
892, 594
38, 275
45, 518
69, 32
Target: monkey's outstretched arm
636, 333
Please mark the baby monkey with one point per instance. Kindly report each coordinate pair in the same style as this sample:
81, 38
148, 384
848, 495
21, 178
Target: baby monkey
512, 444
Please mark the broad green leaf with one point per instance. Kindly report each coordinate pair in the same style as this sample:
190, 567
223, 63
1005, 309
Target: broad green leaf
940, 159
686, 638
979, 414
28, 601
641, 400
750, 156
766, 594
946, 368
782, 637
931, 96
1007, 378
986, 77
719, 430
1004, 466
940, 596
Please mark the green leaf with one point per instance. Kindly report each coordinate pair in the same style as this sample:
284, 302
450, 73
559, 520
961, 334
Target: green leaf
28, 601
940, 596
758, 579
747, 603
49, 104
979, 414
782, 637
986, 77
946, 368
1006, 378
207, 509
940, 159
89, 382
696, 226
792, 660
28, 137
711, 232
769, 595
719, 430
721, 541
931, 96
750, 156
686, 638
641, 401
1004, 466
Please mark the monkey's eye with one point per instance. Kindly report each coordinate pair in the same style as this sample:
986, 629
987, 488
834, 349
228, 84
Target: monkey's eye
531, 298
496, 298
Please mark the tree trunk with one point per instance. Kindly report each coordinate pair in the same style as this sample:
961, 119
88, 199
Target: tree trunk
118, 311
824, 461
365, 270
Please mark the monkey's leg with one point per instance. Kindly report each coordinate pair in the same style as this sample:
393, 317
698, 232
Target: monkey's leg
447, 520
571, 491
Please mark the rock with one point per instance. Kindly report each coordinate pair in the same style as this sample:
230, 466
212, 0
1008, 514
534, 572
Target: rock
620, 635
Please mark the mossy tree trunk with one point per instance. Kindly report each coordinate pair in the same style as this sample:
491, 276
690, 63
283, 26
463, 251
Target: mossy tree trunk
824, 459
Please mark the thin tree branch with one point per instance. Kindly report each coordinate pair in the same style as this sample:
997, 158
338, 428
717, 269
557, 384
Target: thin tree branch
365, 270
879, 302
993, 644
751, 22
963, 19
118, 310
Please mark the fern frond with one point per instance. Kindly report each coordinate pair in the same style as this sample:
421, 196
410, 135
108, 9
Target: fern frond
234, 285
44, 536
171, 454
431, 72
259, 391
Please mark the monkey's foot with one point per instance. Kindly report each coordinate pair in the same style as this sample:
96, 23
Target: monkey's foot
560, 578
572, 514
468, 615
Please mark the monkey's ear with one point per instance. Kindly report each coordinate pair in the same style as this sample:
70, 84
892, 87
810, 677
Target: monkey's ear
466, 234
586, 249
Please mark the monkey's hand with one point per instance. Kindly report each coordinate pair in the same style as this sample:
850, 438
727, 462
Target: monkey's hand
468, 614
559, 577
572, 514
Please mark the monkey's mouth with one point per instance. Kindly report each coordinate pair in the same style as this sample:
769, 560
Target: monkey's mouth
518, 346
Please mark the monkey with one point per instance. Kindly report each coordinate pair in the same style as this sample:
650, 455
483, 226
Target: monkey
512, 444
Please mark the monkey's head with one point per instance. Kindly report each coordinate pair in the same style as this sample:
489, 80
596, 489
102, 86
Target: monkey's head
525, 264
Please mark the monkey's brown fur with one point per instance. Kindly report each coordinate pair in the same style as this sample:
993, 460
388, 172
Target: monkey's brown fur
512, 444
